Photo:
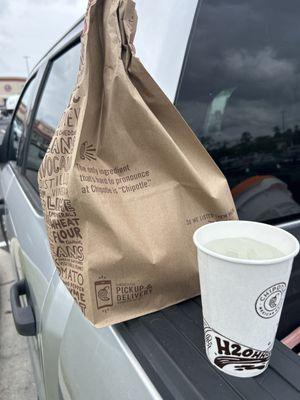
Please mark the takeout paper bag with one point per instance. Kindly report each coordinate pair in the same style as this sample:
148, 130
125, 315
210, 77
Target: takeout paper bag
125, 182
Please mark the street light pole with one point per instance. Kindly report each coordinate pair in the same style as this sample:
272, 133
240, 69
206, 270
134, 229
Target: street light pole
27, 64
283, 112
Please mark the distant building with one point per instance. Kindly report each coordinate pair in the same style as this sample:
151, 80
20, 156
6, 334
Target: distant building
10, 86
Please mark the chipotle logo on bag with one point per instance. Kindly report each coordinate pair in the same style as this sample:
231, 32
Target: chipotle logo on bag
103, 294
125, 182
121, 293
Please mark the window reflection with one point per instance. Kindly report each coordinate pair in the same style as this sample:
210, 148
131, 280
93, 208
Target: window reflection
241, 94
55, 98
19, 121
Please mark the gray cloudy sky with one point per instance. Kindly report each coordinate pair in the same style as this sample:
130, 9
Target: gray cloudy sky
30, 27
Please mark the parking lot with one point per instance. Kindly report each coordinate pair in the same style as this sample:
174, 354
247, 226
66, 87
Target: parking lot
16, 378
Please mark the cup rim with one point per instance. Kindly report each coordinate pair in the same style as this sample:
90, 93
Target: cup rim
243, 260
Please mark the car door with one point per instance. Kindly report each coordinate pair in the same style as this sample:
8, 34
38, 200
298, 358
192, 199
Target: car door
60, 80
18, 210
31, 130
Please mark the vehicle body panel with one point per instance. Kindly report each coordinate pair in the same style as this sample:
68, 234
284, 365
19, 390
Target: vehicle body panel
162, 35
114, 371
27, 247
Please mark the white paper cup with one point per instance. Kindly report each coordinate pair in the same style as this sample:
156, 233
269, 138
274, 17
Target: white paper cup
240, 323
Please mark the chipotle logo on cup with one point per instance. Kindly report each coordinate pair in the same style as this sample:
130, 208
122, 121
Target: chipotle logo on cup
269, 302
244, 271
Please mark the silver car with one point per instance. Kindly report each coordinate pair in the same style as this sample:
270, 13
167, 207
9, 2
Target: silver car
232, 69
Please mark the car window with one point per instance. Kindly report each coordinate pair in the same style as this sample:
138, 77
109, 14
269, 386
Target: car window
19, 121
55, 98
240, 92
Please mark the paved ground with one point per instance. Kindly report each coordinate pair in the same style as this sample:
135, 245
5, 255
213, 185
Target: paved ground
16, 380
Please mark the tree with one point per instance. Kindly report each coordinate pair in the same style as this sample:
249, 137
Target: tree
246, 138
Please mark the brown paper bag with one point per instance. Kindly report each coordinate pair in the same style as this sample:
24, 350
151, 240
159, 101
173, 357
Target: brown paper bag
125, 182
